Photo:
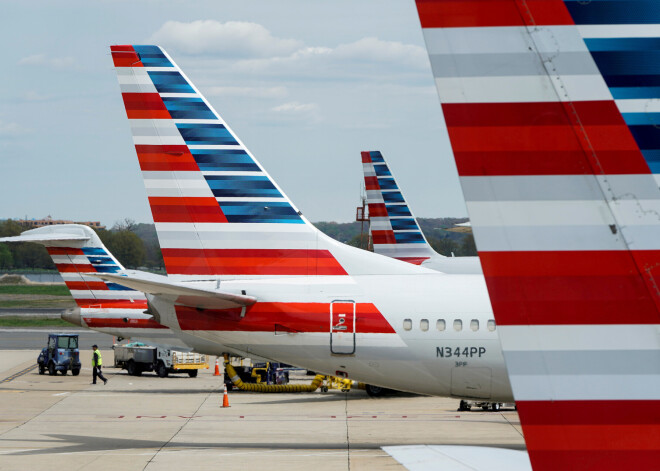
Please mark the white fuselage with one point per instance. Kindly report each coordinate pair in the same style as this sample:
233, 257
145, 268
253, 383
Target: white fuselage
402, 346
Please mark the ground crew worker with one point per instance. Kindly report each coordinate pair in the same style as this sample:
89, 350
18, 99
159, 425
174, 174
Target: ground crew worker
97, 361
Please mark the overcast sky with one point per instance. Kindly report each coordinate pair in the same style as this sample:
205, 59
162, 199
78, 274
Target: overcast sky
306, 85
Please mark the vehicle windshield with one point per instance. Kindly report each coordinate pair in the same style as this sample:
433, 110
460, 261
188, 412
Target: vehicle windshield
67, 342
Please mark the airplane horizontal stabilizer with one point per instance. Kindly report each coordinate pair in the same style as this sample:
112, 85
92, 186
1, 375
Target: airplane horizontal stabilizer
182, 295
46, 239
458, 458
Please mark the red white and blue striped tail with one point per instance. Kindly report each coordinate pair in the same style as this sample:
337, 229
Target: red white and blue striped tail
78, 252
218, 213
394, 230
552, 112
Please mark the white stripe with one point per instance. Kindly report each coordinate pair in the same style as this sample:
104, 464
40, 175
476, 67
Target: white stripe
178, 183
181, 95
579, 337
71, 259
251, 199
503, 40
106, 312
160, 69
619, 31
232, 173
110, 294
223, 147
375, 196
381, 225
264, 228
522, 89
158, 141
585, 387
644, 105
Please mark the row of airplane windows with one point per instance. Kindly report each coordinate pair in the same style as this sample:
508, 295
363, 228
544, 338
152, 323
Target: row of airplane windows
441, 325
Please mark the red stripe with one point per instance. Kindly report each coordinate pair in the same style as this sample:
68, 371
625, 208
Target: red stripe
470, 13
366, 157
413, 260
377, 210
589, 412
273, 317
165, 158
542, 139
186, 209
382, 237
75, 268
553, 288
110, 322
251, 262
594, 460
371, 183
64, 251
87, 285
125, 56
145, 106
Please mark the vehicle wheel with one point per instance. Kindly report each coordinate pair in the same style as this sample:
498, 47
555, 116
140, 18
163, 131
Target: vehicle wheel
161, 370
75, 372
192, 373
464, 406
324, 389
131, 368
495, 406
375, 391
51, 369
485, 407
42, 368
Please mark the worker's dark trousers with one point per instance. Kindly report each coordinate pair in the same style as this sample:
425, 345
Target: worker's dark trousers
96, 371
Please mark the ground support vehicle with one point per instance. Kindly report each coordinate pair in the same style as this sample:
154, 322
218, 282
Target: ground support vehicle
137, 357
494, 406
61, 355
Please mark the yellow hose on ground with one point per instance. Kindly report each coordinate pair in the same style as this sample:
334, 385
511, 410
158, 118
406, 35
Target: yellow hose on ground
271, 388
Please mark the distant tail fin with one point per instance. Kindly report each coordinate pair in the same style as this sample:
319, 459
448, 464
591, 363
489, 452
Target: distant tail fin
77, 251
394, 230
217, 211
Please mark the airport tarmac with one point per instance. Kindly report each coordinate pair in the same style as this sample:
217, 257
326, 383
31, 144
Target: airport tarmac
64, 422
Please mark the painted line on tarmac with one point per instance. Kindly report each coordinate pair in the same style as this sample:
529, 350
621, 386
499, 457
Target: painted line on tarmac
19, 374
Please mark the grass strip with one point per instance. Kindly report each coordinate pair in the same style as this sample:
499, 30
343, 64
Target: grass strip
51, 290
18, 321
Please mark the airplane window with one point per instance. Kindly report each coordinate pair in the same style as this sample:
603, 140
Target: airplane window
474, 324
440, 324
424, 324
458, 325
407, 324
491, 325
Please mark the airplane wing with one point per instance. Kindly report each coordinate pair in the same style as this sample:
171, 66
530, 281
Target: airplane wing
458, 458
180, 293
52, 239
551, 109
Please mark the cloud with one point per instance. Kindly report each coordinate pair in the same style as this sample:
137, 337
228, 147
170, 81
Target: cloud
233, 39
250, 92
43, 60
376, 50
11, 129
296, 107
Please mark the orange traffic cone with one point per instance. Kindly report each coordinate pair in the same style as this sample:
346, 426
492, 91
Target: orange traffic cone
217, 367
225, 398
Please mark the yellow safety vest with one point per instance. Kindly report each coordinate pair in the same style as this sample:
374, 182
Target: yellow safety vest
97, 360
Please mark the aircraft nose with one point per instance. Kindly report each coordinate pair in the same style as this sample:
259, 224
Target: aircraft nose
73, 316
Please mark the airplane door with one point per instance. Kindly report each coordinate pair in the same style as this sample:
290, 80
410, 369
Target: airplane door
342, 327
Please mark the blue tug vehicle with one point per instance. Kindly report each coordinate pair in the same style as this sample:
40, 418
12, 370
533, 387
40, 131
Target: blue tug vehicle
61, 355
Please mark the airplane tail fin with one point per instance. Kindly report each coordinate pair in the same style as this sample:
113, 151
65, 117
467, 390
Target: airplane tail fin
77, 251
551, 110
394, 229
217, 211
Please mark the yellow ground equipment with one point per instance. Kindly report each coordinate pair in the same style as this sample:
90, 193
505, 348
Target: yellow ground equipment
270, 388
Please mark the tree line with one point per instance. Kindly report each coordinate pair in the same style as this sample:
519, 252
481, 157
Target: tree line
135, 245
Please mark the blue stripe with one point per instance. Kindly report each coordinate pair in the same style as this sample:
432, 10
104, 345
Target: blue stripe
408, 238
403, 224
647, 137
187, 108
382, 171
387, 184
622, 44
376, 156
622, 81
256, 212
170, 82
620, 93
398, 210
106, 269
151, 56
258, 186
628, 62
394, 197
224, 160
116, 287
641, 119
100, 260
608, 12
94, 251
205, 134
